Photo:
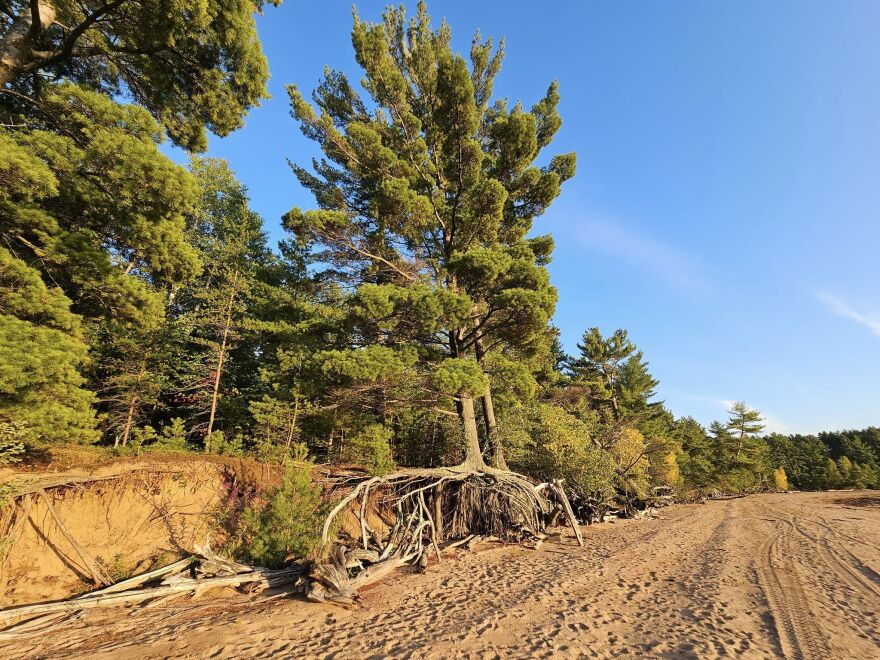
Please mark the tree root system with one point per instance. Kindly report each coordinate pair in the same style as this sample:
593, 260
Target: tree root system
427, 512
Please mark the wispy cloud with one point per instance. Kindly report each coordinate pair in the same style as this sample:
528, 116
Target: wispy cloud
843, 309
719, 406
775, 425
670, 264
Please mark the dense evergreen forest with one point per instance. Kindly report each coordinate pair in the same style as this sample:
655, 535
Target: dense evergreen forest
405, 320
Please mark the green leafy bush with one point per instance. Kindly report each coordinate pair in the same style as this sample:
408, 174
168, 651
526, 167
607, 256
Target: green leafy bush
172, 438
550, 443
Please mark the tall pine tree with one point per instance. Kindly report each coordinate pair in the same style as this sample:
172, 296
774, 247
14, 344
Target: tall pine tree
425, 200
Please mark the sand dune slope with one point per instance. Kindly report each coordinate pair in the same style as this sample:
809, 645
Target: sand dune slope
774, 575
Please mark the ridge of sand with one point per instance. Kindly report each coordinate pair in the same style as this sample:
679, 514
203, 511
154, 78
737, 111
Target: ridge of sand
791, 574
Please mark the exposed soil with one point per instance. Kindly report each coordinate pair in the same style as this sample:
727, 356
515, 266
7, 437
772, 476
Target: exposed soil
129, 515
771, 575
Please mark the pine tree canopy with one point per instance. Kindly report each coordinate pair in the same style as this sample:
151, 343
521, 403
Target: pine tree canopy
744, 421
96, 207
41, 351
426, 194
192, 65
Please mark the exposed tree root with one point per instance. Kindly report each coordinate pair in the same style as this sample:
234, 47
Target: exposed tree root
433, 509
427, 511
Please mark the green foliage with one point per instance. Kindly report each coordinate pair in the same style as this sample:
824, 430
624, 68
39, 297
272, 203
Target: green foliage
41, 351
598, 367
744, 422
105, 221
698, 453
425, 196
12, 436
630, 453
276, 426
192, 65
549, 443
368, 364
459, 375
217, 442
369, 446
172, 438
287, 525
214, 307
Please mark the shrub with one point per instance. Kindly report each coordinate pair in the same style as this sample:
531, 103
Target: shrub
370, 447
12, 446
551, 443
664, 469
218, 443
287, 523
171, 439
630, 456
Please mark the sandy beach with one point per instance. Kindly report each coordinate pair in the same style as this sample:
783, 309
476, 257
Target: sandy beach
794, 575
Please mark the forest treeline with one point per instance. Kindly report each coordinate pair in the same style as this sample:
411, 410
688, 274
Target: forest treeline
405, 320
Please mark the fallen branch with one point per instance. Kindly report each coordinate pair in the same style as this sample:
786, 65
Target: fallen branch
98, 576
566, 507
138, 580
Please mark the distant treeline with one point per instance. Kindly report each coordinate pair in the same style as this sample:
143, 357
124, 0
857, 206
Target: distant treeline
842, 459
405, 320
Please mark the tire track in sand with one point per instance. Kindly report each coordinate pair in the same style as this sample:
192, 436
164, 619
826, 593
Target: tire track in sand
796, 626
845, 585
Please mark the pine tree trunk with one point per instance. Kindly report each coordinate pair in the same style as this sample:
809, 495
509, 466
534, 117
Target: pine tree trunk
220, 359
16, 44
129, 422
465, 406
493, 441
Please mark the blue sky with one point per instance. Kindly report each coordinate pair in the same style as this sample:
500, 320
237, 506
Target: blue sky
725, 209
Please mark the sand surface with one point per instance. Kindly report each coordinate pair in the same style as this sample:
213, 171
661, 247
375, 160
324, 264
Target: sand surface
794, 575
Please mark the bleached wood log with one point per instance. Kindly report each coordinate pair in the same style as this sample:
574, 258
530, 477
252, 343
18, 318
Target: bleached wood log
138, 580
569, 513
261, 577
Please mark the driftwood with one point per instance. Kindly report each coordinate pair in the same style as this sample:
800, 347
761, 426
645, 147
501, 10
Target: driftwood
263, 577
569, 513
211, 571
138, 580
